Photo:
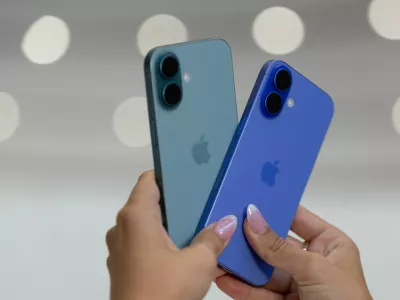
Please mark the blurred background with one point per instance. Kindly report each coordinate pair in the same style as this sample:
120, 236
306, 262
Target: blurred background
74, 133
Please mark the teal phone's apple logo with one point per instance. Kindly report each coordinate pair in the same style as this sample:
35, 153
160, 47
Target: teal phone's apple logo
200, 152
269, 172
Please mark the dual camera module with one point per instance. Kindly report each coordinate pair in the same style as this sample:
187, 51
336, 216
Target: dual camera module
274, 101
172, 91
169, 69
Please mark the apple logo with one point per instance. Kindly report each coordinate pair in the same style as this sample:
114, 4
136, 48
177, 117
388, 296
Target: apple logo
269, 172
200, 152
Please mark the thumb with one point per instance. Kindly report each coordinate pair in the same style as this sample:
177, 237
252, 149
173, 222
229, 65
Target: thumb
211, 241
277, 251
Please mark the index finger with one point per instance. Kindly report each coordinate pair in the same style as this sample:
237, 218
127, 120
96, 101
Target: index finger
140, 219
146, 194
308, 225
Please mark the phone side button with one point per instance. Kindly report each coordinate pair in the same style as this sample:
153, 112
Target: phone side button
154, 141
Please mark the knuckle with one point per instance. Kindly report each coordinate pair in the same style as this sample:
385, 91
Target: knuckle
348, 243
123, 217
277, 245
205, 257
108, 262
208, 250
353, 247
109, 237
272, 246
146, 183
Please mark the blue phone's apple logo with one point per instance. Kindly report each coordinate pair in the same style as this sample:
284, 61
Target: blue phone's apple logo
269, 172
200, 152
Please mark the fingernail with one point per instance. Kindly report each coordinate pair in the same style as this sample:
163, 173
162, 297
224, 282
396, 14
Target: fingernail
256, 220
226, 227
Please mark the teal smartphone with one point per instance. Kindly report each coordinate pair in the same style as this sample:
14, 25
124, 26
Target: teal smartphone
193, 116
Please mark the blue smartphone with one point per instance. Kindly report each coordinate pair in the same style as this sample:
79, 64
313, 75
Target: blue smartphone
269, 162
193, 116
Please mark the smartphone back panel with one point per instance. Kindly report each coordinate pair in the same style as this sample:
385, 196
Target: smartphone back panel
268, 164
190, 140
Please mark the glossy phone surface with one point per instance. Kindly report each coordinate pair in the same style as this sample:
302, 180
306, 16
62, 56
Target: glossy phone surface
268, 164
190, 138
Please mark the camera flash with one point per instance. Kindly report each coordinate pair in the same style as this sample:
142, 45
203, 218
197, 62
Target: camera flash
290, 103
186, 77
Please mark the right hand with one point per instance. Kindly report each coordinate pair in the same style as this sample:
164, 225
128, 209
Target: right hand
330, 269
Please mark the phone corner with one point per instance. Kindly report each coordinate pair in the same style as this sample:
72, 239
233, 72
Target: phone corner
261, 280
332, 106
259, 284
277, 63
147, 59
266, 66
224, 43
255, 282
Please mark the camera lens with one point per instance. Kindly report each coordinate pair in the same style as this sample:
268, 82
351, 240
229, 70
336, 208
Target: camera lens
283, 80
169, 66
172, 94
273, 103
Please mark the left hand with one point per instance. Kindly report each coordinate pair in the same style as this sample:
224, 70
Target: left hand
145, 264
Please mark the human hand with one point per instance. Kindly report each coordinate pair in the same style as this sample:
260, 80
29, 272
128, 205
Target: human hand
330, 269
145, 264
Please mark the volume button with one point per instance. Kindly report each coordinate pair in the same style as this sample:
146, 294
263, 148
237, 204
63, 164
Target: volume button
152, 121
152, 118
152, 132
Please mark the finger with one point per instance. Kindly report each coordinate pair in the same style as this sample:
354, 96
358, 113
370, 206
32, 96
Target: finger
294, 242
219, 272
211, 241
272, 248
308, 225
143, 200
146, 194
141, 216
281, 281
215, 237
111, 238
142, 230
239, 290
292, 296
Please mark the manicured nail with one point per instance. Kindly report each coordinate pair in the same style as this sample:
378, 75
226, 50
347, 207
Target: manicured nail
256, 220
226, 227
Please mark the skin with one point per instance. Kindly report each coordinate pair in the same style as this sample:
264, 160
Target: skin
144, 263
330, 269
